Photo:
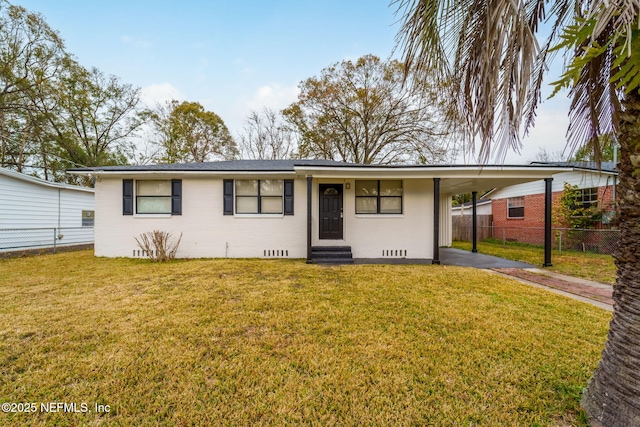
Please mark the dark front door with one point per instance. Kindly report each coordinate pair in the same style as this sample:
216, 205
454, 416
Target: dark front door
330, 211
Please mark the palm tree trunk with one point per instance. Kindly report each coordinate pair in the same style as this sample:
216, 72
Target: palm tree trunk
612, 397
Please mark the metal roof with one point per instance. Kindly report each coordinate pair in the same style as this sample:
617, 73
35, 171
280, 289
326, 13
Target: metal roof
39, 181
221, 166
592, 166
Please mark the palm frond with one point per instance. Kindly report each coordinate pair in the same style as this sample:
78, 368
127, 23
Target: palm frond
489, 50
563, 13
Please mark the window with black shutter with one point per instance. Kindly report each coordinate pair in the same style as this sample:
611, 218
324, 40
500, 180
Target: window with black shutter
288, 197
228, 196
152, 197
127, 197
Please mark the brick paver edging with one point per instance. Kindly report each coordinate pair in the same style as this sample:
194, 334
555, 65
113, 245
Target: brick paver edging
598, 294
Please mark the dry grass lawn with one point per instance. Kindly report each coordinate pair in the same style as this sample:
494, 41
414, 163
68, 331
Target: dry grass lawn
256, 342
590, 266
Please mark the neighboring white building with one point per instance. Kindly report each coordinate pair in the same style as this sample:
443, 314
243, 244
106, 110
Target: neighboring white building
34, 211
483, 207
314, 209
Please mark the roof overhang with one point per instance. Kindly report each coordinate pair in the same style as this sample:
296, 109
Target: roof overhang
44, 183
453, 179
168, 174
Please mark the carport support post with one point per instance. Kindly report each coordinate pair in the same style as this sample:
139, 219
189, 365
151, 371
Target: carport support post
309, 192
436, 221
474, 218
547, 222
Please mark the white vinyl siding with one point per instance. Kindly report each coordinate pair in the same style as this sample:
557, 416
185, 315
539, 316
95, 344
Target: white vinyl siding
36, 208
30, 205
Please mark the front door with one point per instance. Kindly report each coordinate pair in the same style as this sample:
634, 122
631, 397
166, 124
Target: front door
330, 211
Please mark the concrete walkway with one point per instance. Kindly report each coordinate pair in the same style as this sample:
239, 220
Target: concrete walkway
595, 293
462, 258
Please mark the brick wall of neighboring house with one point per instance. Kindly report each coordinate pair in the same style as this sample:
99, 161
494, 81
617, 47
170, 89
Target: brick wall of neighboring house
530, 229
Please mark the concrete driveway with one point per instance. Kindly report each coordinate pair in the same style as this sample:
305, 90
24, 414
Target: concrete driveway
451, 256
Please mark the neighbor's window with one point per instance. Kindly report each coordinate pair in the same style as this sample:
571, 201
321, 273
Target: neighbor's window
379, 197
588, 197
259, 196
88, 218
153, 197
515, 207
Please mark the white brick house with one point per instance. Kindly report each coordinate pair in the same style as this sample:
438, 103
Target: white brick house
288, 208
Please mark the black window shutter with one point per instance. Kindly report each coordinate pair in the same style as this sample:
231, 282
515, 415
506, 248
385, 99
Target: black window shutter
228, 196
127, 197
288, 197
176, 197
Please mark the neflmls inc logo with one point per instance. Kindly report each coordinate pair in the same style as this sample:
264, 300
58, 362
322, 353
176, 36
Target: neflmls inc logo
72, 407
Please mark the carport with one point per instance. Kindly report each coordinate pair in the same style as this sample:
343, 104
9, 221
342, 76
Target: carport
453, 181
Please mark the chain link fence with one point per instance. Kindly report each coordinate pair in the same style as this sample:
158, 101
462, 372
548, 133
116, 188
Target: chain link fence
601, 241
53, 239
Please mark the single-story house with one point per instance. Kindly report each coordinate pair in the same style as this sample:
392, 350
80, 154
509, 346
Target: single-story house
518, 210
36, 213
289, 208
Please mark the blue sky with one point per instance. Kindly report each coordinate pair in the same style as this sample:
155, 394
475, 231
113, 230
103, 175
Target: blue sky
239, 55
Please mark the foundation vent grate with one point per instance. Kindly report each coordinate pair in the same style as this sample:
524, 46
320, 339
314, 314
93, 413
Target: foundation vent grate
394, 253
140, 253
276, 253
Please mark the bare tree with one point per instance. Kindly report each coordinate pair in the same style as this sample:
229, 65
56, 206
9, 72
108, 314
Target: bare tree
549, 156
364, 112
266, 136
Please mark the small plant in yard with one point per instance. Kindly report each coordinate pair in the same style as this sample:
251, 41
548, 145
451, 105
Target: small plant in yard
571, 212
159, 245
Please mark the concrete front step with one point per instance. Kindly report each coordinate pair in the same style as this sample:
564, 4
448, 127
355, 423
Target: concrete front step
331, 254
333, 261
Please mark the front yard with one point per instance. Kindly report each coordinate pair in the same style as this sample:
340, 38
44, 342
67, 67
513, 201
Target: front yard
597, 267
253, 342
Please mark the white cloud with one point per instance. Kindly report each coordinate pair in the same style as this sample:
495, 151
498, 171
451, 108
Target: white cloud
158, 93
275, 96
548, 133
137, 42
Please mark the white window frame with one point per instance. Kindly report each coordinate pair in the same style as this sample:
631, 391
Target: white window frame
379, 198
588, 197
138, 196
259, 198
519, 203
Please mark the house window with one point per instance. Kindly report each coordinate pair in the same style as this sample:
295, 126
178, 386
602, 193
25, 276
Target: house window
587, 198
153, 197
88, 218
379, 197
515, 207
259, 196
